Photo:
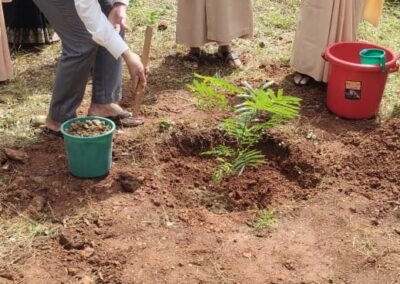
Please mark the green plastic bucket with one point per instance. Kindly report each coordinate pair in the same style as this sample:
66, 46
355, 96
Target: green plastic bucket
373, 56
88, 157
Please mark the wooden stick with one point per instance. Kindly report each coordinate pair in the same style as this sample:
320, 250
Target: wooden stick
145, 59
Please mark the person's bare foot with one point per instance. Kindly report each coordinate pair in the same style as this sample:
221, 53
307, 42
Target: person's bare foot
301, 79
107, 110
52, 124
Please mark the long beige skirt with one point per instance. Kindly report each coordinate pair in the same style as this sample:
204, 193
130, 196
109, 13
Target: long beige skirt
322, 23
6, 71
202, 21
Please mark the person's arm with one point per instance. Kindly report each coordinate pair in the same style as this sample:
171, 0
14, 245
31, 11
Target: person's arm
99, 27
125, 2
105, 35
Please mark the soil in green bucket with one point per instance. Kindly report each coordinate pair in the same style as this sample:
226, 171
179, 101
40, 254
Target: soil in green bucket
88, 143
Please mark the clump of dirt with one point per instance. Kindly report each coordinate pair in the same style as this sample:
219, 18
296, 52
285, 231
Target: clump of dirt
129, 181
88, 128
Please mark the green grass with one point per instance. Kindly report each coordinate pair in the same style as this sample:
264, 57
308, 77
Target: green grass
387, 35
18, 233
267, 220
275, 21
28, 94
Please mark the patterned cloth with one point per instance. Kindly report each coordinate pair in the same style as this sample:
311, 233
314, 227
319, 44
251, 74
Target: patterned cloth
26, 24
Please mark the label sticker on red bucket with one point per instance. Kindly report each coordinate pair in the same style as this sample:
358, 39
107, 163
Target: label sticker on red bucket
353, 90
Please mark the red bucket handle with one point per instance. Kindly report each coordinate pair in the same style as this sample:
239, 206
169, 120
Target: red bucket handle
395, 68
323, 55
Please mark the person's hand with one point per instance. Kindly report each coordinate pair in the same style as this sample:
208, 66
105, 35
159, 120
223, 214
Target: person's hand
118, 18
136, 69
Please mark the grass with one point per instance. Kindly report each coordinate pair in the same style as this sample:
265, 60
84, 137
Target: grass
267, 220
275, 21
18, 233
385, 35
165, 125
28, 94
365, 244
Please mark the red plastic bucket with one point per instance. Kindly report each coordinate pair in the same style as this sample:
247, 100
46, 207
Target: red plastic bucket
355, 90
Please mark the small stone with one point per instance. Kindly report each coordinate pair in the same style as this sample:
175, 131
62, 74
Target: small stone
72, 271
38, 120
156, 203
68, 245
374, 222
3, 158
289, 265
6, 275
87, 252
129, 183
97, 122
162, 26
37, 204
38, 179
397, 231
16, 155
86, 280
353, 210
247, 255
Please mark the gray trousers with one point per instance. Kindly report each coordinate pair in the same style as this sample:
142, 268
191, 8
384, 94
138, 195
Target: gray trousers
80, 55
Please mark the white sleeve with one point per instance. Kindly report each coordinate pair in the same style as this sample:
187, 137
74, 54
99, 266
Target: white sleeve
99, 27
125, 2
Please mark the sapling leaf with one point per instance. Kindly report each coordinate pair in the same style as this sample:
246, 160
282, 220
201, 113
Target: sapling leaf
260, 110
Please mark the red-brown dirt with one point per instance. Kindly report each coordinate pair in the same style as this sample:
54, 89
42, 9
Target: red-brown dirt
159, 218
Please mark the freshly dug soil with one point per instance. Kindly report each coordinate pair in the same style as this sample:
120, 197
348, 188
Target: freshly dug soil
88, 128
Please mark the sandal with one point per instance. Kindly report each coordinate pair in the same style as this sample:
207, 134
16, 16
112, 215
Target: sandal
51, 133
231, 58
301, 79
126, 121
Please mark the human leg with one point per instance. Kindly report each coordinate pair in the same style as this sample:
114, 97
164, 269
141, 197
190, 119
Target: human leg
78, 54
107, 79
229, 56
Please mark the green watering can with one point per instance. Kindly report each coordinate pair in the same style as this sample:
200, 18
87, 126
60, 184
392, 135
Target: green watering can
374, 56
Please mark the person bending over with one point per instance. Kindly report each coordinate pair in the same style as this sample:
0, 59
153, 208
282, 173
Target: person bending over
89, 32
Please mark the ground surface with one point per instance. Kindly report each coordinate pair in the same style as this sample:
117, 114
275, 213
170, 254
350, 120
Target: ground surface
331, 204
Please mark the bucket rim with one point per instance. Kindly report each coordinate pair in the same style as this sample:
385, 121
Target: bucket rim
88, 117
360, 67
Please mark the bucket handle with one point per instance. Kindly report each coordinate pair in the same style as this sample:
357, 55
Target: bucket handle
323, 55
395, 68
